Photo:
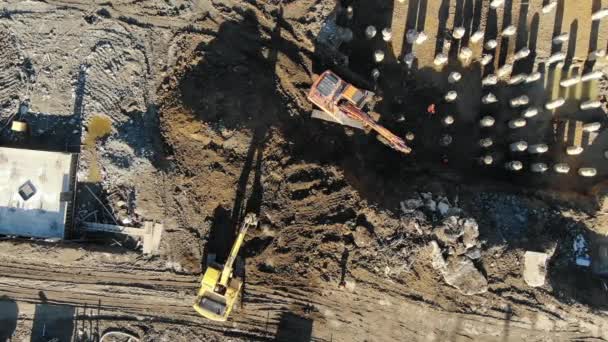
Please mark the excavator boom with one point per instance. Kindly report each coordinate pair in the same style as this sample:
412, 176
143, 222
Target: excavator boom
250, 220
393, 141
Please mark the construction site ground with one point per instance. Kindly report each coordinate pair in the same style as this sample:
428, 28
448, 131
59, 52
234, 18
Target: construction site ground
192, 112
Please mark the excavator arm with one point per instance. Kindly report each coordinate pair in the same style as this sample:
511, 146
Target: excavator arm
250, 221
386, 136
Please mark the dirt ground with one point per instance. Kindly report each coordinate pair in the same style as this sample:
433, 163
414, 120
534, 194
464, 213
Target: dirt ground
193, 113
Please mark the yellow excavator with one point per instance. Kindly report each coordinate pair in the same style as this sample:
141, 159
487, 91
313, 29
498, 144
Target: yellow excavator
221, 286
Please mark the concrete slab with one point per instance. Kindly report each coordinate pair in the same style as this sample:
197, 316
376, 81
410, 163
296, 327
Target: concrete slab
535, 268
31, 187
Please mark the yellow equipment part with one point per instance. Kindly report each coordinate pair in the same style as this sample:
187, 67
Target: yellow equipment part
220, 288
19, 126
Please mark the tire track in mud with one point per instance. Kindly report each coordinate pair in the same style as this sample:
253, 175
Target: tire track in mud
10, 76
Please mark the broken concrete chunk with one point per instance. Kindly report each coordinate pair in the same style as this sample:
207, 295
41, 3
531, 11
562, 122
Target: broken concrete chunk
431, 205
473, 254
449, 231
535, 268
411, 204
362, 237
437, 260
443, 208
470, 232
460, 272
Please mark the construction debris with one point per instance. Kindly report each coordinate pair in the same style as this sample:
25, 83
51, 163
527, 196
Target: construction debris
535, 268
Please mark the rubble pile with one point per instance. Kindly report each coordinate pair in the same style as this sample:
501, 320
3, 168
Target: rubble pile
455, 243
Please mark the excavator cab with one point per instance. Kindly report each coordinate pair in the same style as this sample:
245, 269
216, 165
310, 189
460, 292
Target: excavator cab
329, 92
221, 284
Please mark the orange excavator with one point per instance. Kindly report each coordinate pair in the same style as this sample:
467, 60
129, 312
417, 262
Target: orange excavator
341, 102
